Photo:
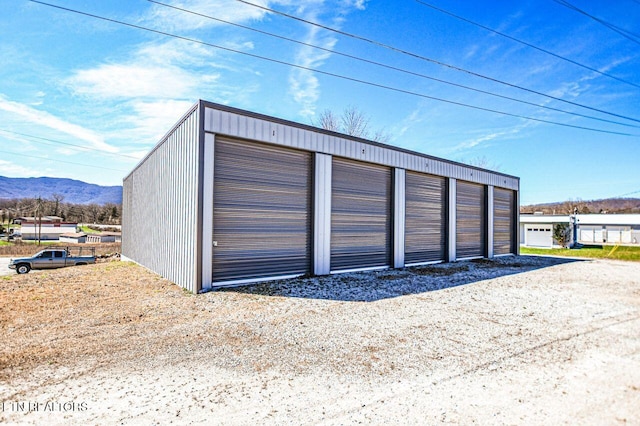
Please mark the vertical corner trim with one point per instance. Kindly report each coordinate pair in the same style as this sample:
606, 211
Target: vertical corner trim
516, 222
196, 278
490, 221
452, 220
322, 215
207, 212
399, 209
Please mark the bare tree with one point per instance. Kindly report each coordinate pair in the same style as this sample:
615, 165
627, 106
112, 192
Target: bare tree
352, 122
482, 162
327, 120
57, 199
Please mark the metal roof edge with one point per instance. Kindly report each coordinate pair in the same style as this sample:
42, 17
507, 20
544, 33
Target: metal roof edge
277, 120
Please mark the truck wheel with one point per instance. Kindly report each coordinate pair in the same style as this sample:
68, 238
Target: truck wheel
23, 268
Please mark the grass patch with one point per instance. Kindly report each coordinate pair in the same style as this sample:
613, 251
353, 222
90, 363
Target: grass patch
629, 253
88, 230
4, 243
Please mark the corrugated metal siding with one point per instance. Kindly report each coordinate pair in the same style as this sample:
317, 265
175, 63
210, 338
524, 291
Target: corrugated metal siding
360, 215
470, 220
261, 211
425, 217
503, 214
160, 212
243, 124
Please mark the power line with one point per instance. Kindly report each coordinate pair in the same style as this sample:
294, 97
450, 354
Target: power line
391, 67
624, 33
434, 61
353, 79
68, 144
61, 161
628, 193
446, 12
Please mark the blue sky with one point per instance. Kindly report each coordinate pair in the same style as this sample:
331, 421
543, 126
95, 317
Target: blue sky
85, 99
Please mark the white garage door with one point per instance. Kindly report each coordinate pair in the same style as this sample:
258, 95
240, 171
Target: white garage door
539, 236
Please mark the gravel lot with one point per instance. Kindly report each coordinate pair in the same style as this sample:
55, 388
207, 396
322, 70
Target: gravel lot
519, 340
4, 266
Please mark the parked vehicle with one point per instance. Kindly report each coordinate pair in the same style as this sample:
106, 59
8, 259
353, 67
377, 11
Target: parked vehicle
53, 258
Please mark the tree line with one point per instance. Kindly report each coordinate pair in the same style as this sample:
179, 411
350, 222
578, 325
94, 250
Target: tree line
108, 214
609, 205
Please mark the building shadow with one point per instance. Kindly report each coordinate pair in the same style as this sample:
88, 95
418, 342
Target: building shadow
378, 285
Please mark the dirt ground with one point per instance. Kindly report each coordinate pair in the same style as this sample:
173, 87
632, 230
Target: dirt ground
519, 340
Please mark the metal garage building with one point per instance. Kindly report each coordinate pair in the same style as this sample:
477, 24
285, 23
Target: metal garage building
229, 197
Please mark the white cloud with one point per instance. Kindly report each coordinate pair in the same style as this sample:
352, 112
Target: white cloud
304, 85
357, 4
170, 19
153, 119
15, 170
156, 70
508, 133
133, 80
43, 118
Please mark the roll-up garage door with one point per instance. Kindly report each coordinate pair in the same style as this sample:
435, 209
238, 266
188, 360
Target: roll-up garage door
425, 233
360, 215
262, 211
539, 236
470, 220
503, 214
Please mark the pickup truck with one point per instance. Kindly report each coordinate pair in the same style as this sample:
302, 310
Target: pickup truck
50, 259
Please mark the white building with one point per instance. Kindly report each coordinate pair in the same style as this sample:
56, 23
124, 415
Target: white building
47, 227
537, 230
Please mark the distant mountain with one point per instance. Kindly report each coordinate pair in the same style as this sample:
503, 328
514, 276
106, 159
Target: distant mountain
74, 191
607, 205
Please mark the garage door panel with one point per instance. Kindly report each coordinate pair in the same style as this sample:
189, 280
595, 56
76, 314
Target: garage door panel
470, 220
262, 211
360, 215
503, 221
539, 236
425, 220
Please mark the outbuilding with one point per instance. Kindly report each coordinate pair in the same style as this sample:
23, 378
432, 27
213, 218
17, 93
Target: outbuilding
229, 197
536, 230
104, 237
45, 227
73, 237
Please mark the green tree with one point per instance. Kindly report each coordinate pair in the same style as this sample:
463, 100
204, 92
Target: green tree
562, 234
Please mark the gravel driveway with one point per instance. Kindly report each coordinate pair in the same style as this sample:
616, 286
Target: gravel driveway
4, 266
520, 340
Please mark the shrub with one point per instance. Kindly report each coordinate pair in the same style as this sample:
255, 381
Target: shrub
561, 233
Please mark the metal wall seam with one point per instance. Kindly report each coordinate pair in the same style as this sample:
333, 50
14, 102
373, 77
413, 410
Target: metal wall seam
322, 215
490, 224
399, 208
451, 207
